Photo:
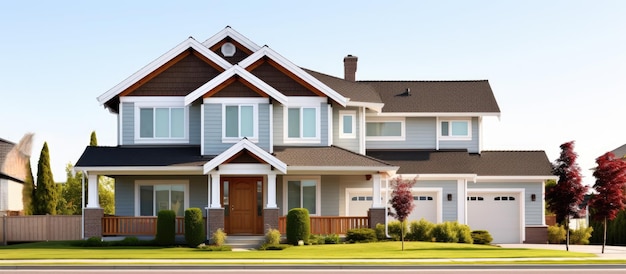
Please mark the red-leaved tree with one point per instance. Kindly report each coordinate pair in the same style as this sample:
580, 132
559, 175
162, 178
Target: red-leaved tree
402, 201
610, 182
565, 198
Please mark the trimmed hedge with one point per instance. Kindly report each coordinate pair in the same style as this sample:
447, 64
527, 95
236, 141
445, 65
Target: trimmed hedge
298, 226
194, 227
361, 235
481, 237
166, 228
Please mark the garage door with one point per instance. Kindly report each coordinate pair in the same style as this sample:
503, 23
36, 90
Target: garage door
425, 205
498, 213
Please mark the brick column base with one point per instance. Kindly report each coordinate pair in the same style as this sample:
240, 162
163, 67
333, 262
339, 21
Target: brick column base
93, 222
376, 216
536, 235
215, 220
270, 219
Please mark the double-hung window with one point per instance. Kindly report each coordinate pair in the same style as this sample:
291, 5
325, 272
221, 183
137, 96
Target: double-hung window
303, 121
240, 121
160, 120
347, 124
303, 192
455, 129
154, 196
385, 129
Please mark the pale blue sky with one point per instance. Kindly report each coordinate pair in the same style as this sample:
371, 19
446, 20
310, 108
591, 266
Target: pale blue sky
557, 68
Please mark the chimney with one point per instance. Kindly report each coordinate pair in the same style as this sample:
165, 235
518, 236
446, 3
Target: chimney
349, 67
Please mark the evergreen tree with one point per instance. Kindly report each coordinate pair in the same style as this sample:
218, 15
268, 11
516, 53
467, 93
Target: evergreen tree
565, 198
28, 191
46, 191
93, 141
72, 191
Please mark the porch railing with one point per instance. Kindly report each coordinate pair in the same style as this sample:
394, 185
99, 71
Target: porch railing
329, 225
135, 226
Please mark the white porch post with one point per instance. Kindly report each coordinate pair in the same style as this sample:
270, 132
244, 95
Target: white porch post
215, 190
376, 198
461, 195
271, 191
92, 200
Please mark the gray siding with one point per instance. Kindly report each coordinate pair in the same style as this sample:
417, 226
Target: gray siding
330, 195
349, 144
128, 123
324, 124
533, 210
213, 129
264, 126
194, 124
279, 196
420, 134
449, 208
279, 124
471, 145
125, 192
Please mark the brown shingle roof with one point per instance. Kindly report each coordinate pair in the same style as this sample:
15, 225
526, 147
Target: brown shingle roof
512, 163
325, 156
436, 96
356, 91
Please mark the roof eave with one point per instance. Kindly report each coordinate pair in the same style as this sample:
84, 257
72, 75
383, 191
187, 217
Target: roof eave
438, 114
377, 107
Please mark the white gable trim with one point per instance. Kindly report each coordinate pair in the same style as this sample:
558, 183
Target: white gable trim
254, 149
180, 48
224, 76
230, 32
266, 51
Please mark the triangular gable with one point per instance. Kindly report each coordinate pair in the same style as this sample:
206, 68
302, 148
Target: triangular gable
291, 68
242, 145
162, 60
244, 75
236, 36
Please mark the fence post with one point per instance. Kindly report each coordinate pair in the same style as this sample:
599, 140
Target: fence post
4, 229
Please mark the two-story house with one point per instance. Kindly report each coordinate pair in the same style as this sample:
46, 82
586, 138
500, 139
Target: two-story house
240, 130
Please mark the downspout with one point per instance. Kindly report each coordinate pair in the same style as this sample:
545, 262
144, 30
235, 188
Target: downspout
82, 205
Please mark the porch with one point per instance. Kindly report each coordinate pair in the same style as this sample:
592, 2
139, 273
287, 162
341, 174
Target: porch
146, 226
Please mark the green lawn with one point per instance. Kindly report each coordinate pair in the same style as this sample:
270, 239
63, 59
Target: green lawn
382, 250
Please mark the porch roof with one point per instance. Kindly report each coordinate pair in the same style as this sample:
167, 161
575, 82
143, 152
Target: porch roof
330, 157
129, 156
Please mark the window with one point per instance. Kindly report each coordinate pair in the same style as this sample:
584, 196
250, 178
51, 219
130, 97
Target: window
455, 129
303, 192
154, 197
422, 198
347, 124
475, 198
302, 122
240, 121
504, 198
385, 130
162, 122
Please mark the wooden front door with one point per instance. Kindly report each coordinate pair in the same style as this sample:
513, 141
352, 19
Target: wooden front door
241, 204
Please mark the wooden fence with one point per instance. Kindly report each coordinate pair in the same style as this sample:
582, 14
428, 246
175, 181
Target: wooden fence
40, 228
329, 225
136, 226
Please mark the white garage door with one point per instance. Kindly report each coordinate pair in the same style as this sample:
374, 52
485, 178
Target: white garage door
498, 213
425, 205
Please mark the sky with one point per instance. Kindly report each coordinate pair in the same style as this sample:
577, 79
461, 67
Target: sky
557, 68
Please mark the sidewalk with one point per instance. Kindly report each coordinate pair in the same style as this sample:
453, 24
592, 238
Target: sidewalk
610, 252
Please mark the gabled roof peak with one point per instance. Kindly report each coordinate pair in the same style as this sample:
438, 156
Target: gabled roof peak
233, 34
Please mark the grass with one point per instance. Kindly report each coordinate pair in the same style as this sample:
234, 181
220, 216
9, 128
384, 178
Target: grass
380, 250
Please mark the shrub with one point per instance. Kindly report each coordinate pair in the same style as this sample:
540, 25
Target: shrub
274, 247
481, 237
166, 227
316, 239
331, 239
421, 230
361, 235
381, 234
556, 234
94, 242
129, 241
580, 236
194, 227
219, 237
464, 233
214, 247
395, 229
298, 226
445, 232
272, 237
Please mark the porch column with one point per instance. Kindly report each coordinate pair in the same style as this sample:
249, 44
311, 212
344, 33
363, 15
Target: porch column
271, 191
92, 200
215, 190
376, 198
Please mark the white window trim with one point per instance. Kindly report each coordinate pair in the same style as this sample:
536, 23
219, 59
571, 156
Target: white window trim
402, 136
255, 123
468, 137
158, 102
139, 183
342, 134
303, 102
318, 191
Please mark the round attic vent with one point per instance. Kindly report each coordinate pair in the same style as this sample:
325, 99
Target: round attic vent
228, 49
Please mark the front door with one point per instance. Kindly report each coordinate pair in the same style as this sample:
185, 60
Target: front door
241, 204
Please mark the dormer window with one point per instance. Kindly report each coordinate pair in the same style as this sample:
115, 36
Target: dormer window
455, 129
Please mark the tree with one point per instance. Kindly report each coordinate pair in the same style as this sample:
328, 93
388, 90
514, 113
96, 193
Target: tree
565, 198
46, 191
610, 182
28, 192
93, 141
402, 201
